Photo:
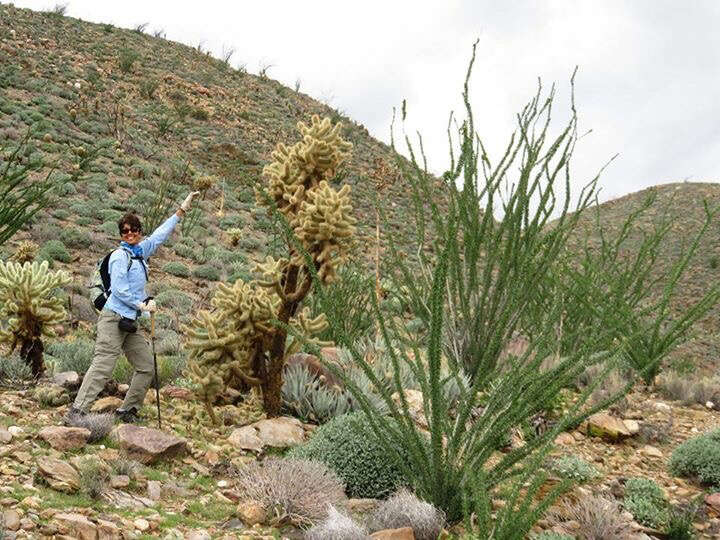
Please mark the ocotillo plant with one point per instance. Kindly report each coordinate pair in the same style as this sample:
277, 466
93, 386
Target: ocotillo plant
243, 341
29, 308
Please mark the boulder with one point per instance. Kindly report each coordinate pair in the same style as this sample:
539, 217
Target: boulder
607, 427
713, 503
565, 439
11, 520
64, 438
106, 404
107, 530
278, 432
58, 474
404, 533
5, 436
67, 379
148, 445
77, 525
251, 512
119, 481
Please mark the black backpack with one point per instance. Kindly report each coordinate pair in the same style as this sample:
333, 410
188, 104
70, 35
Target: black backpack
101, 278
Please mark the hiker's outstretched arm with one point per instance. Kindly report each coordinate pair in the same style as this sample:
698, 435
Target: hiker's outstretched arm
119, 278
150, 244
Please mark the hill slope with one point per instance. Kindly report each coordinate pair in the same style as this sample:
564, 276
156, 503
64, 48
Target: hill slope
155, 110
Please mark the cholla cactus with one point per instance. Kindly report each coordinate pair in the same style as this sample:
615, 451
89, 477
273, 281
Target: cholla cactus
204, 182
29, 309
25, 252
239, 344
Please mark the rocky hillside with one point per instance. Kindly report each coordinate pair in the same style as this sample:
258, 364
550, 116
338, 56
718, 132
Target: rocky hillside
122, 115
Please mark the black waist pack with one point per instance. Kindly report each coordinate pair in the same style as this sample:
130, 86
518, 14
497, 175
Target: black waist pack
128, 325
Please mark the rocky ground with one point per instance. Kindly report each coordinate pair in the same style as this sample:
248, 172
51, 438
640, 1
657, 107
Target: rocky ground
179, 482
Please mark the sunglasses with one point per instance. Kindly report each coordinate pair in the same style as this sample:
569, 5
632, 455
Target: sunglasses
128, 230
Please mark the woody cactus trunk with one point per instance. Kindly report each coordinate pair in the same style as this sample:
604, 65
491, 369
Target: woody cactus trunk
244, 340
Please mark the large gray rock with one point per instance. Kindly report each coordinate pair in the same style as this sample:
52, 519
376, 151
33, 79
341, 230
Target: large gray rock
148, 445
64, 438
67, 379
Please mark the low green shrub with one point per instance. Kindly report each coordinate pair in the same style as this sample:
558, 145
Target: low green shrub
177, 268
55, 250
77, 238
645, 500
344, 445
206, 271
13, 370
175, 299
73, 355
573, 468
699, 458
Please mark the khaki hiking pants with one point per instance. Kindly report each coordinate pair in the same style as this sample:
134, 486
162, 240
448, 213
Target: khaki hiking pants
110, 342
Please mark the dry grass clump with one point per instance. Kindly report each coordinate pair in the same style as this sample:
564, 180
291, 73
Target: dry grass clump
656, 432
336, 526
99, 425
404, 509
92, 479
127, 467
592, 518
294, 490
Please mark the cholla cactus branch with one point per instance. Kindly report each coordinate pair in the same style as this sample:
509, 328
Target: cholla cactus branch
244, 341
29, 309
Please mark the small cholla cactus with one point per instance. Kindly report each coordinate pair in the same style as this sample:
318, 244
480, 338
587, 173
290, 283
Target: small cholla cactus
239, 343
25, 252
29, 309
235, 235
204, 182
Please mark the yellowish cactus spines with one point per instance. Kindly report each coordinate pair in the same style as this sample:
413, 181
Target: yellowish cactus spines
25, 252
241, 343
29, 308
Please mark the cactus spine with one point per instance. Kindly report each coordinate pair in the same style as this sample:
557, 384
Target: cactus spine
28, 309
239, 343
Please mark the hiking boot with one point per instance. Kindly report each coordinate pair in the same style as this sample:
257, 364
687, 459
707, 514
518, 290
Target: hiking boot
72, 416
127, 417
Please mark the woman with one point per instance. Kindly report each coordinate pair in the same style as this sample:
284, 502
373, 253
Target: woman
116, 326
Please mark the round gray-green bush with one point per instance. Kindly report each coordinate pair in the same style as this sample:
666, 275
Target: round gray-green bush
177, 268
698, 457
346, 445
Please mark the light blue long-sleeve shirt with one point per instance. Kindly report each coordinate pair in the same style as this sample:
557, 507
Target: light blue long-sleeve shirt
127, 286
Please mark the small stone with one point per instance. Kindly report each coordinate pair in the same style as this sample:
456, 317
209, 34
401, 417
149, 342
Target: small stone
141, 524
154, 490
565, 439
11, 519
123, 388
607, 427
198, 534
662, 407
67, 379
713, 501
17, 432
148, 445
27, 524
404, 533
651, 451
223, 484
119, 481
107, 530
709, 405
106, 404
65, 438
5, 436
632, 426
251, 512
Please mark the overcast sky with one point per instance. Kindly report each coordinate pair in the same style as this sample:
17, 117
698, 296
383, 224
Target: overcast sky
648, 84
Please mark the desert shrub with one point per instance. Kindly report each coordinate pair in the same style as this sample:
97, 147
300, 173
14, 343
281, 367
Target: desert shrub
175, 299
51, 396
177, 268
148, 86
109, 214
170, 368
294, 489
75, 355
61, 213
55, 250
206, 271
82, 209
126, 59
127, 467
184, 250
84, 221
92, 478
123, 371
597, 518
680, 523
656, 432
13, 370
77, 238
344, 445
698, 457
99, 425
336, 526
404, 509
645, 500
573, 468
167, 342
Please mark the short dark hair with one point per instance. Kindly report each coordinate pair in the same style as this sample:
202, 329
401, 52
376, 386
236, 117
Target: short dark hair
129, 219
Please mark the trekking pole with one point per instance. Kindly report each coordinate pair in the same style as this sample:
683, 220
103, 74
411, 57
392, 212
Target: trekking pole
157, 381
